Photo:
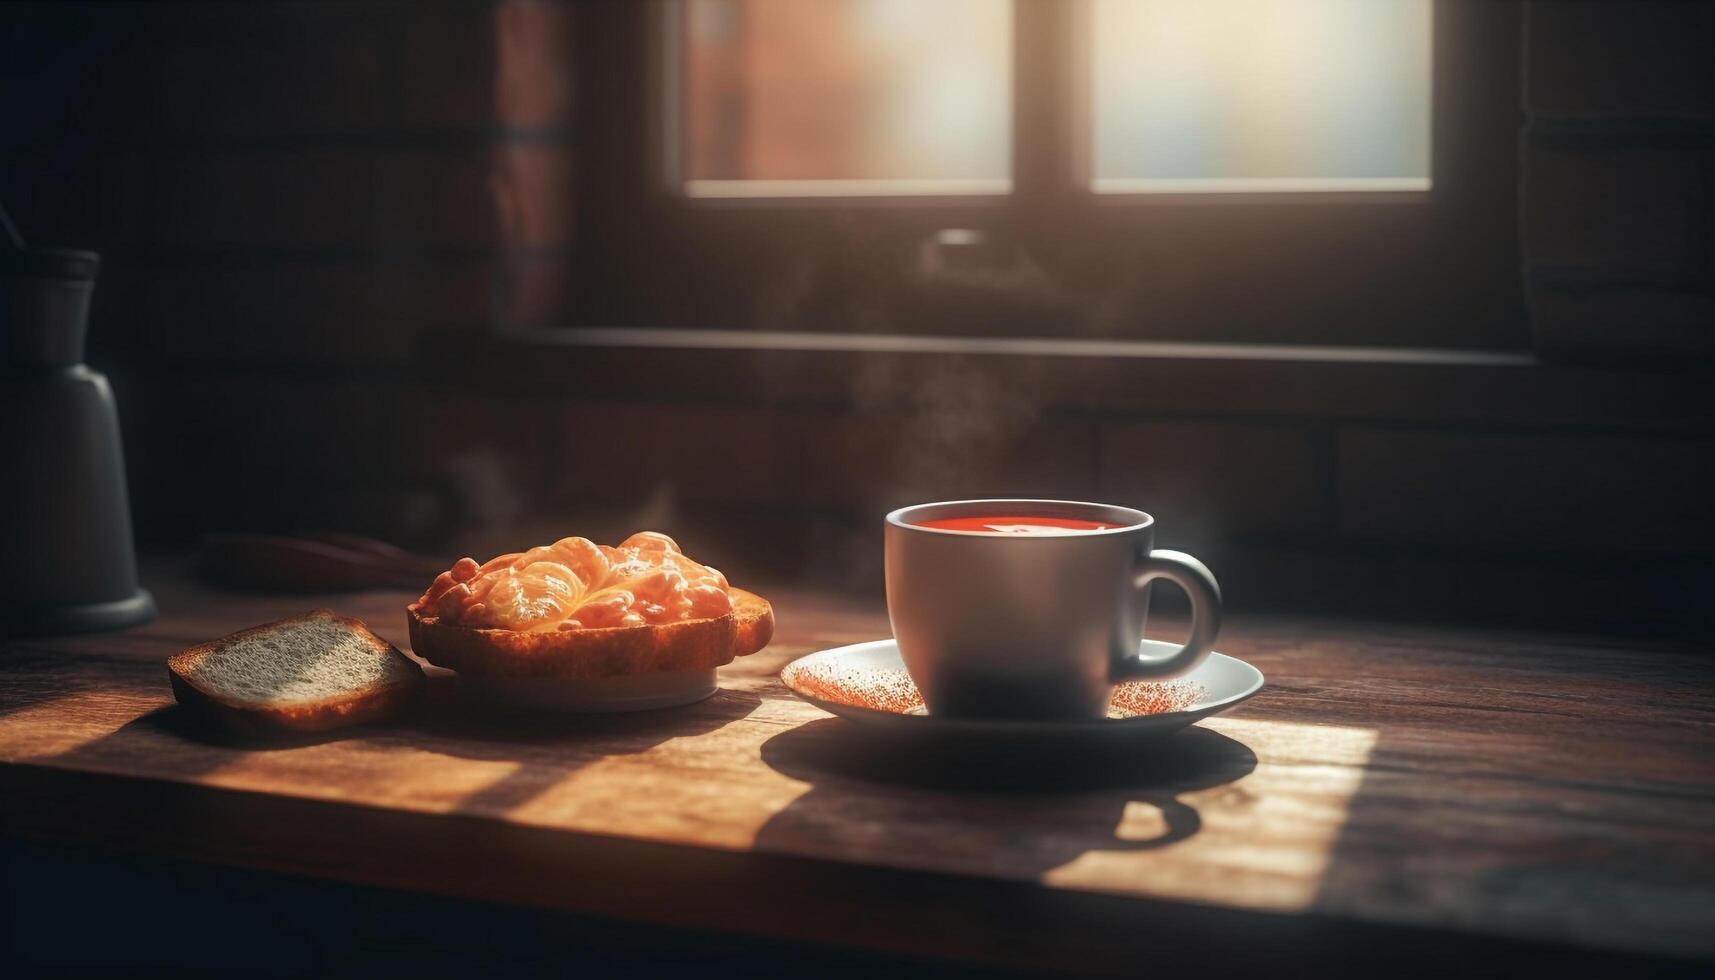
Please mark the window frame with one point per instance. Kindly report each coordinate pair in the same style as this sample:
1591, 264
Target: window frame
636, 210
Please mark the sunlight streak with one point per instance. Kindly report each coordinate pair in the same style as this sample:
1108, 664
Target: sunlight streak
1266, 837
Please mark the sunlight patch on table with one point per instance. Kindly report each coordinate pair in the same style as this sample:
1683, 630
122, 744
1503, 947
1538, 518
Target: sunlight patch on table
372, 774
1262, 841
124, 732
683, 790
76, 720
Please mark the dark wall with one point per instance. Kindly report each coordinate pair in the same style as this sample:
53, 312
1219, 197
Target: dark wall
314, 215
1619, 178
287, 197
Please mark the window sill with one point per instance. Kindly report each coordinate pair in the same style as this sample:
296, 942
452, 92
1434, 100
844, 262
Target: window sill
875, 372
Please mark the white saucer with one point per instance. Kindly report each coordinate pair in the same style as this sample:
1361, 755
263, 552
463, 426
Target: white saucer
631, 692
867, 683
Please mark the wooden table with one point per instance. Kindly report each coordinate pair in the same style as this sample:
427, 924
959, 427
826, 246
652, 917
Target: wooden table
1399, 796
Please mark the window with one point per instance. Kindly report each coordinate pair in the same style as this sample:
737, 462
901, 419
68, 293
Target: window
844, 97
1100, 168
1237, 96
787, 98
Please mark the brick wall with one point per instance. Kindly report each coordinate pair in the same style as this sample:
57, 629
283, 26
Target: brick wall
1618, 181
288, 198
1567, 495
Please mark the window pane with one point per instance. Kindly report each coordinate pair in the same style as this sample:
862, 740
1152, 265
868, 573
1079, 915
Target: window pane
1260, 95
807, 97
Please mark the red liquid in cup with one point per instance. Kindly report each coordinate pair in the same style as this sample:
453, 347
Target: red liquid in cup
1011, 524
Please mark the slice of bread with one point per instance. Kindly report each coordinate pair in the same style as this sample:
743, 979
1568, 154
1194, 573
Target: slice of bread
693, 644
306, 674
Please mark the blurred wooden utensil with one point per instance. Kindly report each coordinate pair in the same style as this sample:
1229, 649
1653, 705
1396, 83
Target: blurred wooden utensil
312, 563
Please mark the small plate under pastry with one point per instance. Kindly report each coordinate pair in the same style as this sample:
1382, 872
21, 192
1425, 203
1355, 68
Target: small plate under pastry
626, 692
868, 683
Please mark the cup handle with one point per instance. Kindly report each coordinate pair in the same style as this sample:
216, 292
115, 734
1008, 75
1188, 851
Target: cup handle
1199, 583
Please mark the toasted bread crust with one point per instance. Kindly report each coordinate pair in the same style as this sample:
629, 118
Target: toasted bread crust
753, 619
381, 704
695, 644
376, 703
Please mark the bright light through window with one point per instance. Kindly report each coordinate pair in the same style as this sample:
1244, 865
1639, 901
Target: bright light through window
846, 97
789, 98
1200, 96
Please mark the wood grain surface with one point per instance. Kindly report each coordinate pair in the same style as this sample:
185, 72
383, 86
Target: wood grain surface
1434, 789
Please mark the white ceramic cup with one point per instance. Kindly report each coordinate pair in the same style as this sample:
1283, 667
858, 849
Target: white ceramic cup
1034, 626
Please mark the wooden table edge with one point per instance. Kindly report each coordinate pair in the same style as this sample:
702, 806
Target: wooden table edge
957, 918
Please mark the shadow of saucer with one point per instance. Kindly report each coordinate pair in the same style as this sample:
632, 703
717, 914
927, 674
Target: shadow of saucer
1025, 809
1194, 758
